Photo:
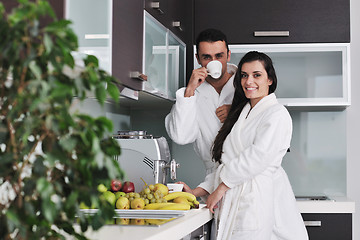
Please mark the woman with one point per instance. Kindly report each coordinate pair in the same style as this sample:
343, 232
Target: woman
251, 190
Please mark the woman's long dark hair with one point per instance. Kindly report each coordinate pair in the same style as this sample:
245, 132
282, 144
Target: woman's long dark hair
240, 99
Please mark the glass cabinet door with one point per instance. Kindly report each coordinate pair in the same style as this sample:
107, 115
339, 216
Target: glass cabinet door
93, 28
155, 57
164, 59
176, 65
308, 74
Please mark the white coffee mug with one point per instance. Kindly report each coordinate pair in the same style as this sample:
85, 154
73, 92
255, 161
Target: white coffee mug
214, 68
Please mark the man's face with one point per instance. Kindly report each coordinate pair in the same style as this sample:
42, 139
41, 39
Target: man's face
209, 51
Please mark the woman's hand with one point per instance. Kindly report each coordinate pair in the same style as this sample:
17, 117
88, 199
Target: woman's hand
186, 187
197, 192
215, 197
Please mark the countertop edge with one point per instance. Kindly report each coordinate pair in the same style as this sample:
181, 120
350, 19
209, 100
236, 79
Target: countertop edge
338, 205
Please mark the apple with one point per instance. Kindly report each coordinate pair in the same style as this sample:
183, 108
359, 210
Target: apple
110, 197
119, 194
116, 185
128, 187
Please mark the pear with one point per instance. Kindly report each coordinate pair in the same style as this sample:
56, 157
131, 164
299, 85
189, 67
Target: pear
102, 188
137, 203
138, 221
122, 221
162, 188
122, 203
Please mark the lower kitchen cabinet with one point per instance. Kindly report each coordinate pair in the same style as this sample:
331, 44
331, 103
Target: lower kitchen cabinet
329, 226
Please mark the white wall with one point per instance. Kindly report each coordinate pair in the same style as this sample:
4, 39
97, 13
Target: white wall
353, 119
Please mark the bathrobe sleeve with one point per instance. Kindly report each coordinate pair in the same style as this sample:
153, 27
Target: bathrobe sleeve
262, 151
180, 123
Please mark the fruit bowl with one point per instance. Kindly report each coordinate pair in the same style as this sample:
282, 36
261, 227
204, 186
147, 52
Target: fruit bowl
175, 187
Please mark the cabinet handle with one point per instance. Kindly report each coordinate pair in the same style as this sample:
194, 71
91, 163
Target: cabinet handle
97, 36
272, 33
177, 24
312, 223
156, 5
138, 75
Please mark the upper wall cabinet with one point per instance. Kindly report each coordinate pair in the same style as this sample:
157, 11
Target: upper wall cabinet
176, 15
113, 32
277, 21
164, 59
93, 28
309, 75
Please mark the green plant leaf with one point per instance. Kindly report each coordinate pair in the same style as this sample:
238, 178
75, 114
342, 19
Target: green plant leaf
48, 43
49, 210
35, 69
44, 187
113, 91
100, 93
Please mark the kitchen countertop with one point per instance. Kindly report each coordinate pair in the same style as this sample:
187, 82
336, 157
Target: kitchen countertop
338, 205
195, 218
176, 229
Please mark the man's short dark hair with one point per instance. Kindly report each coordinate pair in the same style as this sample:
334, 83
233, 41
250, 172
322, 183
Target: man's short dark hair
211, 35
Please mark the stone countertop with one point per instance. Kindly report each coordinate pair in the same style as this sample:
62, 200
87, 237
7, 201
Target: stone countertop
195, 218
173, 230
334, 205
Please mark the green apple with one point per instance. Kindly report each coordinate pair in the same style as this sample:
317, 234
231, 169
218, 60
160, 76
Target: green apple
110, 197
122, 203
119, 194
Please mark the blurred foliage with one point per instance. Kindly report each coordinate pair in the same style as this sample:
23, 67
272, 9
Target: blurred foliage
51, 158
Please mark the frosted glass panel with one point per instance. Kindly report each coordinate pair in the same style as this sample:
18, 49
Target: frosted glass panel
316, 163
155, 56
176, 67
93, 28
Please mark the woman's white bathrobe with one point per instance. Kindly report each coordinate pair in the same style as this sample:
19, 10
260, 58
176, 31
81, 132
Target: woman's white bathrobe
193, 119
260, 204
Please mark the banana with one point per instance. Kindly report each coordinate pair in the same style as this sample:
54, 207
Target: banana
190, 197
154, 206
176, 206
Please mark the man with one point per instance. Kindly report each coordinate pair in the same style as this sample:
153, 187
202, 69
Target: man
202, 106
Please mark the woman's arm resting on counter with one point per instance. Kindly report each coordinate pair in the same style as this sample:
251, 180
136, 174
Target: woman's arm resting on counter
197, 192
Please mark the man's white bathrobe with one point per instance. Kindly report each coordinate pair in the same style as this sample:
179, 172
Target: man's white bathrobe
260, 204
193, 119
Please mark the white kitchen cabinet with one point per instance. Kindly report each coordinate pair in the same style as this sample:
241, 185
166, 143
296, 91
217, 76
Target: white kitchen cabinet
309, 75
164, 59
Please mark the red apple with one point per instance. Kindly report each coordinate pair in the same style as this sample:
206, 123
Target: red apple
128, 187
116, 185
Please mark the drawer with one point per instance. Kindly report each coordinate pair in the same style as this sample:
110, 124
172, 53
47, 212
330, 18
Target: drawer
329, 226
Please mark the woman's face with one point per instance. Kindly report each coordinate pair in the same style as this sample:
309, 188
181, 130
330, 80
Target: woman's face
255, 81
